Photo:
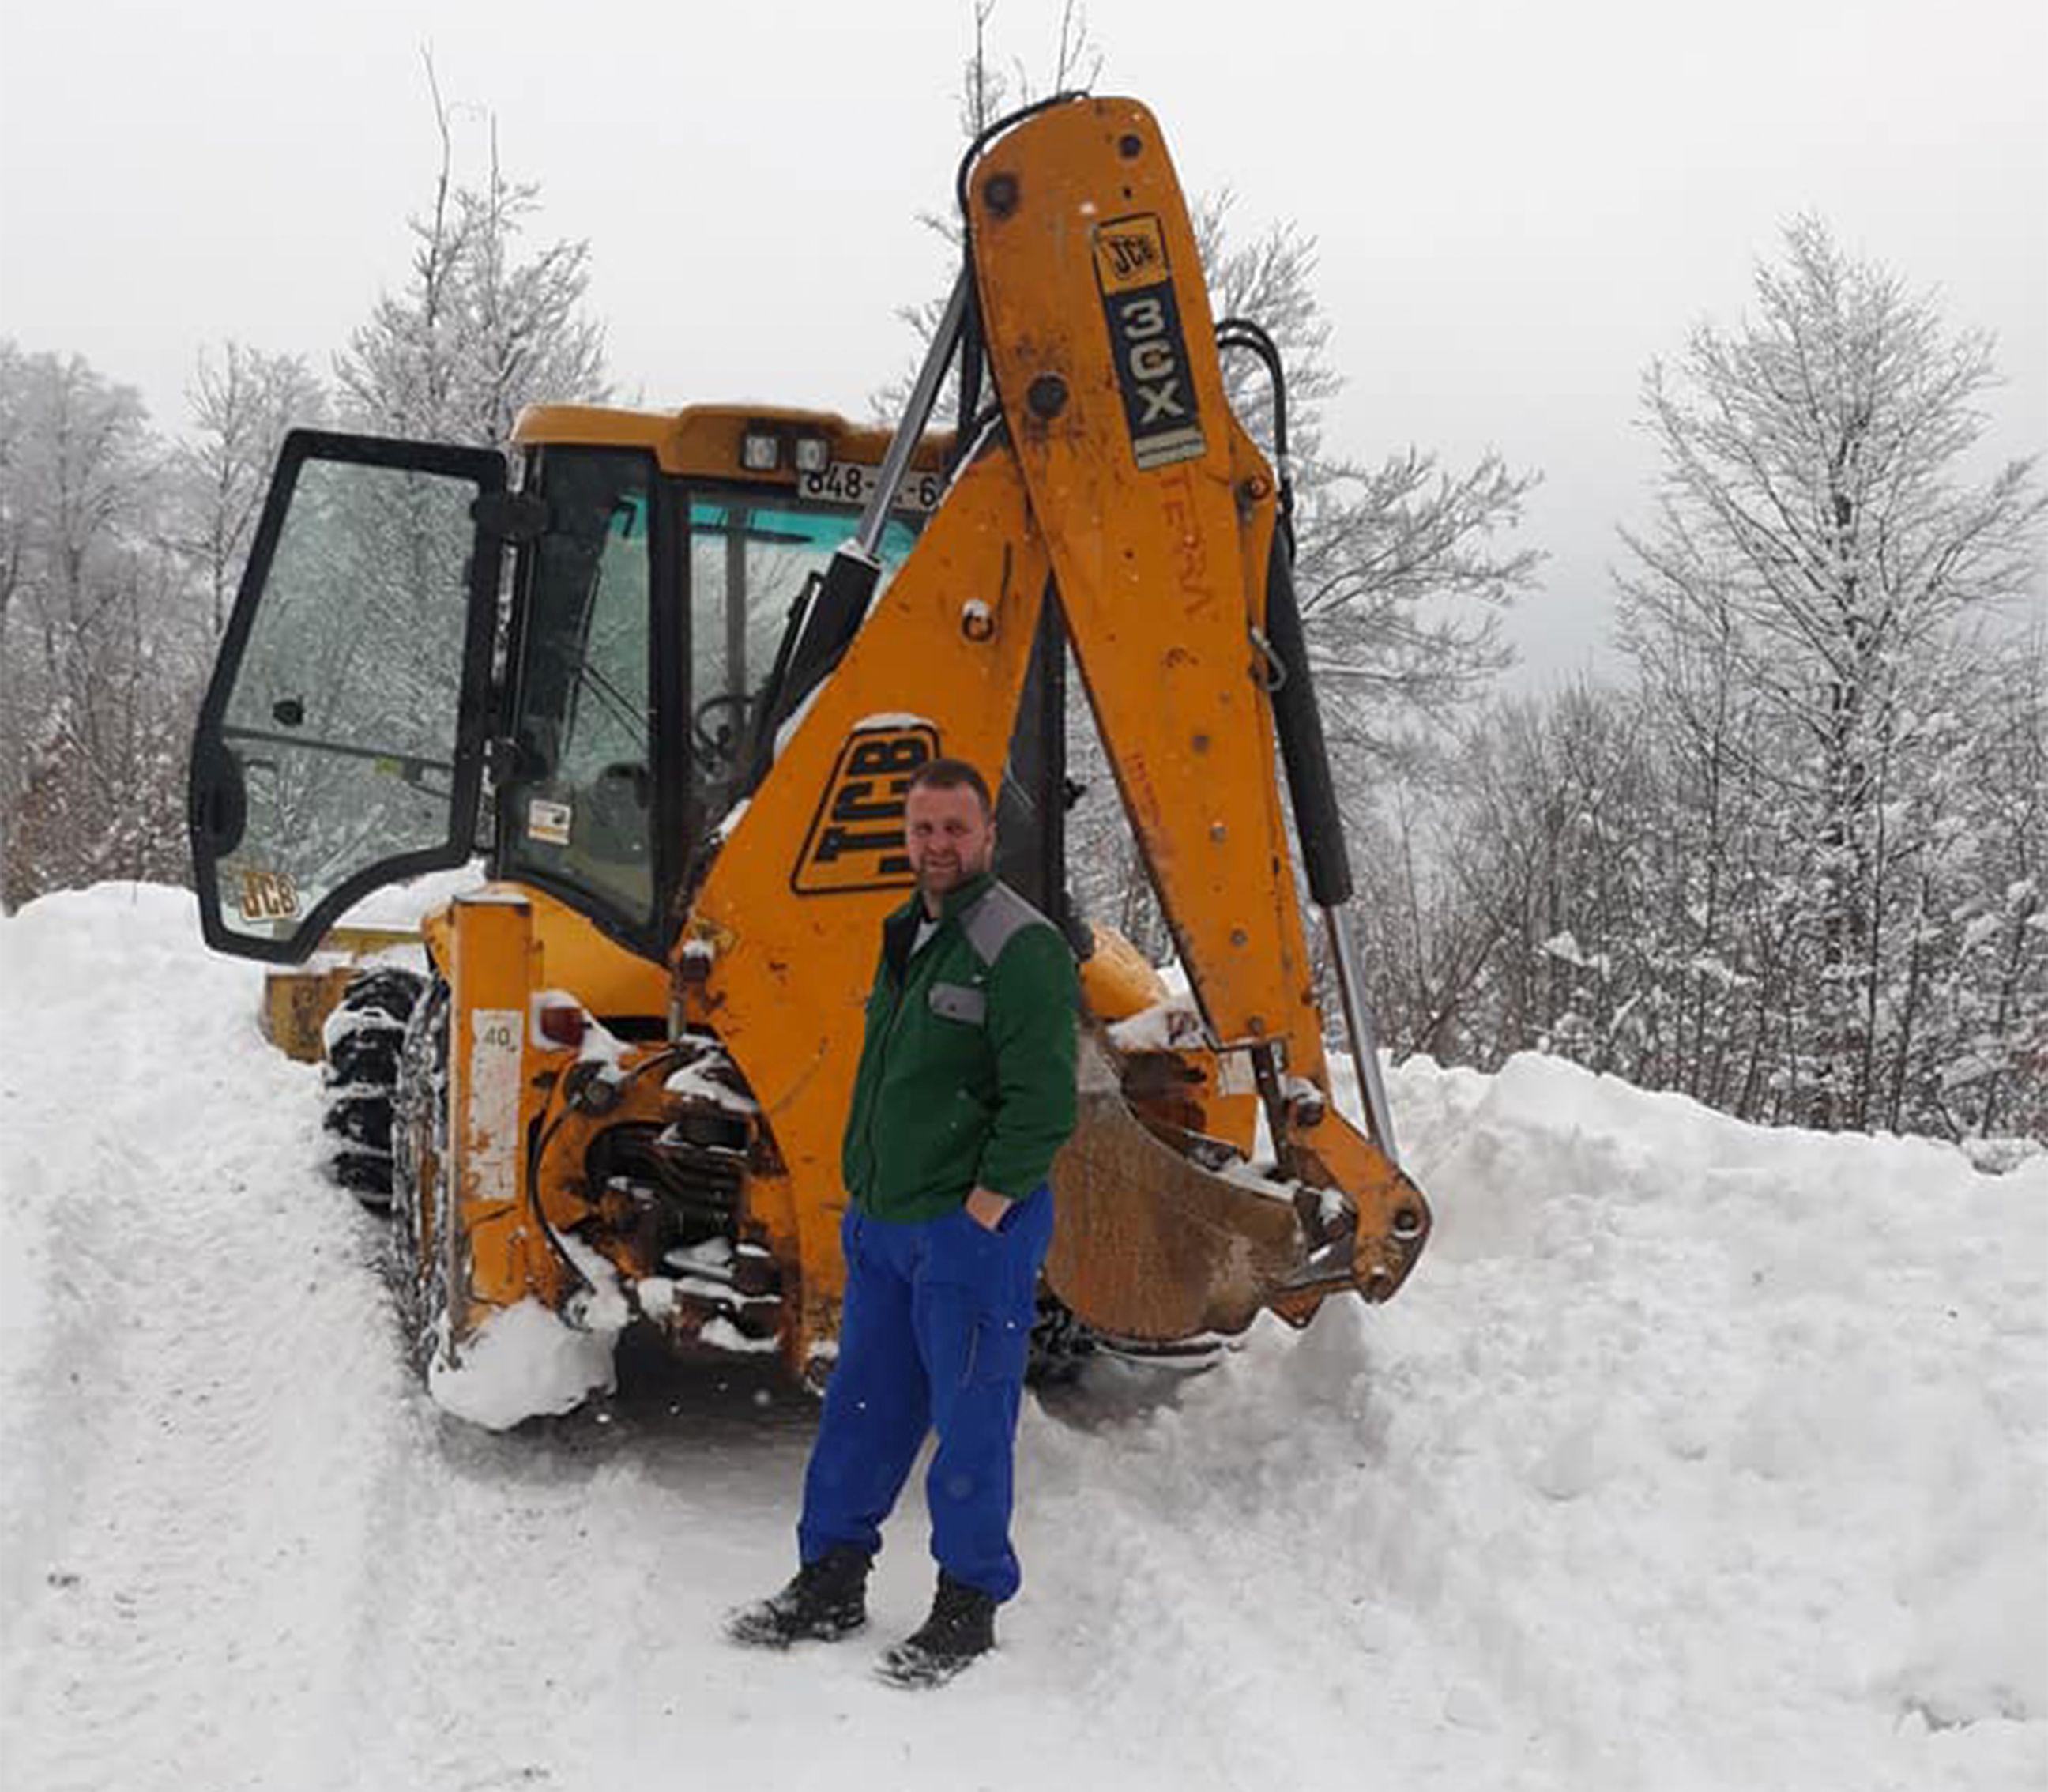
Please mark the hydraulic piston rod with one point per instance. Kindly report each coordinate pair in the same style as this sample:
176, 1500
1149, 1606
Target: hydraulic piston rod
843, 596
867, 540
1358, 1024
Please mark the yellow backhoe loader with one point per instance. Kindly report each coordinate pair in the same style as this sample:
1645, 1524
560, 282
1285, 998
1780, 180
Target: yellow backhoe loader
680, 733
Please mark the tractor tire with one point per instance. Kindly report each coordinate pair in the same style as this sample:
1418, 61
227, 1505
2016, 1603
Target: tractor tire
363, 1037
421, 1251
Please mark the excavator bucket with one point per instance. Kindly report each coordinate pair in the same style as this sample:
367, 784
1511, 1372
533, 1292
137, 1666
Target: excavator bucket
1152, 1246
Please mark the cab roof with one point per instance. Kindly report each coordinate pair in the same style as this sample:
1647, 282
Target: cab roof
705, 439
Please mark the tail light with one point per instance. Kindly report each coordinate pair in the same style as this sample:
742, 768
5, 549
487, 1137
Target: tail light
562, 1023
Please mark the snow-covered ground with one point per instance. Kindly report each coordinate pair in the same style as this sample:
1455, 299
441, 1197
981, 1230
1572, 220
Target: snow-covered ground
1693, 1455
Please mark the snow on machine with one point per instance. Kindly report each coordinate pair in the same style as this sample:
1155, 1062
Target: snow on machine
682, 744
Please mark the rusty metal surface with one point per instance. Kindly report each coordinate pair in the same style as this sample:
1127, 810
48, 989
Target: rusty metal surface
1150, 1245
297, 1001
296, 1005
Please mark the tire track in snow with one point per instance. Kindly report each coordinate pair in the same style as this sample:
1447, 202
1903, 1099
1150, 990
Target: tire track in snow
62, 1380
1692, 1463
292, 1572
215, 1529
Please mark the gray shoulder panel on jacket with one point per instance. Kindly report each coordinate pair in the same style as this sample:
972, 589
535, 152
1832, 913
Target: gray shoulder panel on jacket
997, 919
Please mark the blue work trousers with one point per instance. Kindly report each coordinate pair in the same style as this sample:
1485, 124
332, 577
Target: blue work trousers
934, 1336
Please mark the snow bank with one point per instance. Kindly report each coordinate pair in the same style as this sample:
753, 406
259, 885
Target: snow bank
403, 905
528, 1362
1693, 1455
520, 1363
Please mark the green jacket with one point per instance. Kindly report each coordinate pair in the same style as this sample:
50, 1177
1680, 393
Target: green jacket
966, 1065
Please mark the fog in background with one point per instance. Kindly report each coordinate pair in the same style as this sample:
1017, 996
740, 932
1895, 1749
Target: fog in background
1517, 207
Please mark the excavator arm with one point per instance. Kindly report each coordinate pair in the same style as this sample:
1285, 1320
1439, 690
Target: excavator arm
1159, 517
1116, 484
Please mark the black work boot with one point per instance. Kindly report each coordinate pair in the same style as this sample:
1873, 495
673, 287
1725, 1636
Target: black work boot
826, 1601
961, 1626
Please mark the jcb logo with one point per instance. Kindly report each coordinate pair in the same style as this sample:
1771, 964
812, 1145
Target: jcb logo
1147, 341
856, 839
269, 896
1131, 252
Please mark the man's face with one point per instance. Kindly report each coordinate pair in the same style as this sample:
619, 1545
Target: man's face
948, 838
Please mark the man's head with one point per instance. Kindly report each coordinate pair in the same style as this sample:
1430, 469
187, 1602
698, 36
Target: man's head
949, 828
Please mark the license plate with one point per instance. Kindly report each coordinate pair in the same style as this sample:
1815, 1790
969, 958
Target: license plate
852, 481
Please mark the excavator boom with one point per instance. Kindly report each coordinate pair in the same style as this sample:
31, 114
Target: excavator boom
1116, 485
1159, 515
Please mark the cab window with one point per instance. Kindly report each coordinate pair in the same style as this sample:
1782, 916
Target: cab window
752, 561
579, 808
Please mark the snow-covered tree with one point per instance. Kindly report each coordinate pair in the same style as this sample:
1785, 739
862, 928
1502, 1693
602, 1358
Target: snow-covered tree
1403, 565
242, 403
1809, 595
477, 332
1542, 859
1970, 1051
97, 658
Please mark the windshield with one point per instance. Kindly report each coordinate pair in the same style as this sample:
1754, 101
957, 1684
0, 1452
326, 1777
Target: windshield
752, 564
581, 809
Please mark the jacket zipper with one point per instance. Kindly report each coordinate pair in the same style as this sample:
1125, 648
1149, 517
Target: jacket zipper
881, 1062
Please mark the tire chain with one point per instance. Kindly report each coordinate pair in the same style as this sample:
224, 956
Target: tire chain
361, 1037
420, 1141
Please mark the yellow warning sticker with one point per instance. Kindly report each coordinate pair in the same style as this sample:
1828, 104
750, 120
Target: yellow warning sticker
1130, 252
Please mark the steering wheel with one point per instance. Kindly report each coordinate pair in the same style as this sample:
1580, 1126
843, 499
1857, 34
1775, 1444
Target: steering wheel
716, 745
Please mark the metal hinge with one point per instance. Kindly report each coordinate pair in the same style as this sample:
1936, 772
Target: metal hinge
517, 516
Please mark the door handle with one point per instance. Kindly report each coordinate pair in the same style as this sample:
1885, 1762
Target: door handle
220, 802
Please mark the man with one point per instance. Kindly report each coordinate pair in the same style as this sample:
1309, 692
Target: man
965, 1092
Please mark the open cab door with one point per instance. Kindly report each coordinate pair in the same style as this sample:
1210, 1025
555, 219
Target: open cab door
340, 746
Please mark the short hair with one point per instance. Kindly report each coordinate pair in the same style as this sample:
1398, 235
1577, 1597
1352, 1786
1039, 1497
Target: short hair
952, 774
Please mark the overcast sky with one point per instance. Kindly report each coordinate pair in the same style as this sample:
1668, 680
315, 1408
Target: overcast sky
1517, 204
